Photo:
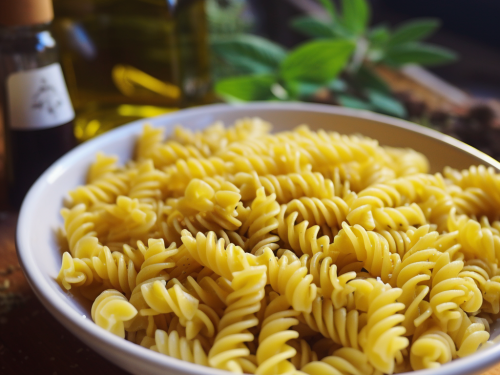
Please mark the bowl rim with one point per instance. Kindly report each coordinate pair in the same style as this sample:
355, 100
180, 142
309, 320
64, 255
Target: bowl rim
87, 329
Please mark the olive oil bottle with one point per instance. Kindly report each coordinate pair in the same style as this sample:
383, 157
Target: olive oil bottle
35, 107
129, 59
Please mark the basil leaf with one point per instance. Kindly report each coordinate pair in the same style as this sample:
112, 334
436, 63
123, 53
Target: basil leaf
414, 31
379, 35
356, 14
246, 88
367, 77
419, 53
353, 102
337, 85
330, 8
313, 27
318, 61
251, 53
386, 103
306, 89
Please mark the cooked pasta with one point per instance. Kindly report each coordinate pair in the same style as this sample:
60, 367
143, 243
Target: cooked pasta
299, 252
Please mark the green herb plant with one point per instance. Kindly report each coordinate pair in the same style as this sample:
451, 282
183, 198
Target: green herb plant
340, 59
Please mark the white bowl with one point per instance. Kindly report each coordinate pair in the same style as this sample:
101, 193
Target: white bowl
39, 217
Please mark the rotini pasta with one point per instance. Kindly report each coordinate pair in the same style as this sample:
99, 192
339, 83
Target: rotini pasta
301, 252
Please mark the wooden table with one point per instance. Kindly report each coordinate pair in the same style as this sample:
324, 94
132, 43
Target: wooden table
31, 340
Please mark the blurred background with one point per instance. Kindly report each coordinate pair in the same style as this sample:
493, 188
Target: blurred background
468, 27
128, 59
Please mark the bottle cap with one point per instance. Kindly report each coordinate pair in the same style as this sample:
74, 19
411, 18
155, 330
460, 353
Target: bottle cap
25, 12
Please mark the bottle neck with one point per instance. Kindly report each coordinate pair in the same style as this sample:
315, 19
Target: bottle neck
25, 48
33, 39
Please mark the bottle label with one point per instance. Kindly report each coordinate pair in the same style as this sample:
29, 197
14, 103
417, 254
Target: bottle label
38, 98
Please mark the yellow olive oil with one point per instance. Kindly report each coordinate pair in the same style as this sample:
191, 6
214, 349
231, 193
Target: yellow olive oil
129, 59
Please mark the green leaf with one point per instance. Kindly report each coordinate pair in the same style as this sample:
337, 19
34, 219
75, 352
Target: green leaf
353, 102
305, 89
330, 8
337, 85
368, 78
313, 27
414, 31
356, 15
419, 53
379, 35
318, 61
246, 88
386, 103
251, 53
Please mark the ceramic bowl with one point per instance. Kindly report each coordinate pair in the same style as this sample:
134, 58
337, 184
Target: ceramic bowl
40, 218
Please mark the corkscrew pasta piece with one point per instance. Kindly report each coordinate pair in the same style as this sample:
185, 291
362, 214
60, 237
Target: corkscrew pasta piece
338, 324
183, 171
486, 277
75, 272
325, 212
173, 345
409, 162
477, 242
480, 177
190, 312
157, 259
286, 187
261, 221
369, 247
468, 336
112, 311
300, 237
115, 268
213, 253
104, 189
343, 361
273, 351
291, 280
78, 224
451, 293
148, 142
299, 252
103, 165
382, 337
239, 316
148, 184
360, 175
431, 350
211, 292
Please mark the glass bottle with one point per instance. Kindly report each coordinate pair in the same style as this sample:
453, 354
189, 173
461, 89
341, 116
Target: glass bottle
129, 59
37, 111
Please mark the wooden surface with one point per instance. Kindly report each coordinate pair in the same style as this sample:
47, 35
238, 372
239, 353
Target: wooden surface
31, 340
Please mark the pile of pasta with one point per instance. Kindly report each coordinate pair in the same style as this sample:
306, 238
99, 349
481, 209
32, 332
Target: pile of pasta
297, 252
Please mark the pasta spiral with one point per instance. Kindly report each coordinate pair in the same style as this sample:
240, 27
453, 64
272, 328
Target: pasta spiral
273, 352
187, 308
381, 338
112, 311
173, 345
239, 316
286, 187
343, 361
261, 222
338, 324
431, 350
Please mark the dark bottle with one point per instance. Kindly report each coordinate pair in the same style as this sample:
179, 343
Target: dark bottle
37, 111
